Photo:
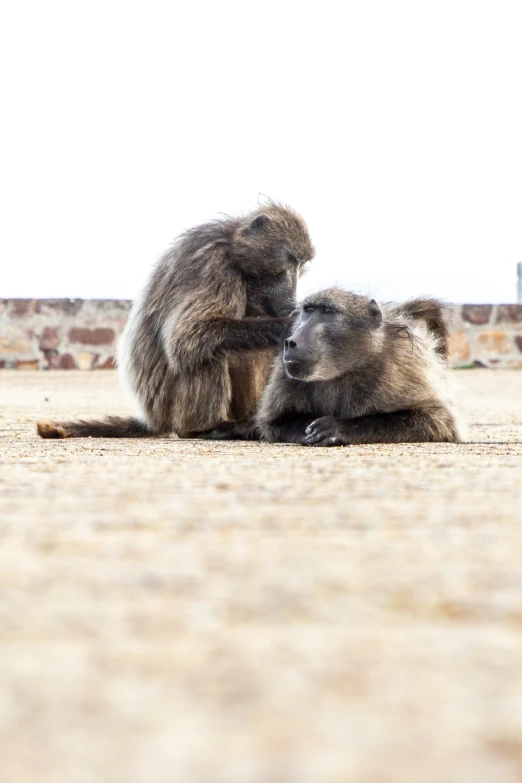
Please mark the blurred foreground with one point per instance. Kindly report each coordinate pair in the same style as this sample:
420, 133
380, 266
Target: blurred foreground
193, 612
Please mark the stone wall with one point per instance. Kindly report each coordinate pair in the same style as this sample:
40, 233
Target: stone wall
486, 335
62, 334
82, 333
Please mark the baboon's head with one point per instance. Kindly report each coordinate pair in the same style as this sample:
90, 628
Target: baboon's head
270, 247
335, 332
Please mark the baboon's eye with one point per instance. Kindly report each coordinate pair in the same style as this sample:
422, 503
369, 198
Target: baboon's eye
308, 308
327, 309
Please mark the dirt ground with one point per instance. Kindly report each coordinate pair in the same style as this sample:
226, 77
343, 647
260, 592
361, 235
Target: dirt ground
193, 612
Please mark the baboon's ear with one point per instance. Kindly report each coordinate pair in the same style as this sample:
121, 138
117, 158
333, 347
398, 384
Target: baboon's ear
375, 312
258, 223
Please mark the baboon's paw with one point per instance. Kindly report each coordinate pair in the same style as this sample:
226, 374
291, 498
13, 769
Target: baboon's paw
323, 432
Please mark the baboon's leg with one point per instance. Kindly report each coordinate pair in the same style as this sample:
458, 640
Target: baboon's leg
289, 428
242, 430
204, 341
410, 426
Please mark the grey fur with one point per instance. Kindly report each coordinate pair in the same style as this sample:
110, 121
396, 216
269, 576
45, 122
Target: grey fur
352, 372
200, 340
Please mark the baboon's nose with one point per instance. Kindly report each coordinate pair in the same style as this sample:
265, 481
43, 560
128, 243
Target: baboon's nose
290, 344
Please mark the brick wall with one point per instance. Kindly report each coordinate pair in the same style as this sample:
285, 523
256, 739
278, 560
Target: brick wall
61, 334
486, 335
82, 333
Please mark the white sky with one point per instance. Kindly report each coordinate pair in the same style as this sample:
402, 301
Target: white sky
395, 128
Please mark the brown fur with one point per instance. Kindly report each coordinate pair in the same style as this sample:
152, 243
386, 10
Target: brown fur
197, 349
47, 429
430, 311
353, 373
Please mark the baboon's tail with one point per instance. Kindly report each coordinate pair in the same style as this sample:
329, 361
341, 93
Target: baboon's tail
432, 312
110, 427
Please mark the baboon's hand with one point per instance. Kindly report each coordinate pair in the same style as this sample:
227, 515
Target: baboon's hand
285, 320
278, 309
325, 431
284, 323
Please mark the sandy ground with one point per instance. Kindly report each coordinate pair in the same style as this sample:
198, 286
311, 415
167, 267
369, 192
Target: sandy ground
193, 612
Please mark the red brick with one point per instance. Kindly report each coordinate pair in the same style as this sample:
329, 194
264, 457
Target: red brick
91, 336
67, 362
509, 312
476, 314
20, 308
59, 306
2, 364
518, 340
77, 335
108, 364
49, 339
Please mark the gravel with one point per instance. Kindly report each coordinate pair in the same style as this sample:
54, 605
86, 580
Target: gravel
193, 612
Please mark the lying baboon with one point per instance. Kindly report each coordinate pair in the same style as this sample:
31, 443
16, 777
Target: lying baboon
198, 346
352, 372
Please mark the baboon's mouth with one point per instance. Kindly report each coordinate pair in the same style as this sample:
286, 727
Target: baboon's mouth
298, 369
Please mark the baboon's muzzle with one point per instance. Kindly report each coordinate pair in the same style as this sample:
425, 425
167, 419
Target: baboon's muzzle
297, 364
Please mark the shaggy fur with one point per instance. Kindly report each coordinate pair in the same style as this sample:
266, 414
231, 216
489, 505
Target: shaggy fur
430, 311
200, 340
352, 372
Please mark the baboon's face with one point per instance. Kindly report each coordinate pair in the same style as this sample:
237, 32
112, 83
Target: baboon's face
273, 295
271, 249
335, 332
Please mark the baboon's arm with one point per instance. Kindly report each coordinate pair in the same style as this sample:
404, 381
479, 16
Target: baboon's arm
409, 426
248, 333
202, 341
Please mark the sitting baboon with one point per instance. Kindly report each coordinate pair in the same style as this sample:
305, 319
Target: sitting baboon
200, 340
352, 372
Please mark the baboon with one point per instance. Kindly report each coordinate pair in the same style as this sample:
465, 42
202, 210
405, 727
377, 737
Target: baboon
200, 340
353, 372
